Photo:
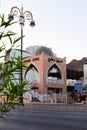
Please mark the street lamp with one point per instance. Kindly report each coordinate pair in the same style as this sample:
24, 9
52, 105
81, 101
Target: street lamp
22, 16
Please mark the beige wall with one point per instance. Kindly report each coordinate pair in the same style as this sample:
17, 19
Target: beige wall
43, 63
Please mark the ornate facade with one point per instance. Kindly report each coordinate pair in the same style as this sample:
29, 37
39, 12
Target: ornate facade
47, 74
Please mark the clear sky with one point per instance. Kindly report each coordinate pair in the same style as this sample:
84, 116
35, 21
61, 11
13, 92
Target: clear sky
60, 24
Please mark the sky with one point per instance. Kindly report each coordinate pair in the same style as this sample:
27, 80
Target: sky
60, 25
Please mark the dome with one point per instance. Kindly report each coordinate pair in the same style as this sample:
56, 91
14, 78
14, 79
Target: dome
44, 49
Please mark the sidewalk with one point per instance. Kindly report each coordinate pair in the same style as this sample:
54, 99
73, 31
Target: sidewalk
53, 106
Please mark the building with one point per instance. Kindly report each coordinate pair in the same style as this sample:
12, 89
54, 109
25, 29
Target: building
46, 77
15, 53
32, 50
85, 74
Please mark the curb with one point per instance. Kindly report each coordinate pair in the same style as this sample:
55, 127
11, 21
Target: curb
59, 107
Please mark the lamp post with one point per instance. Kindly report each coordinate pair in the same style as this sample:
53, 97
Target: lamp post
22, 16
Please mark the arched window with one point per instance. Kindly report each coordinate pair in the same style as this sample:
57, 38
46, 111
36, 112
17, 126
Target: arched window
32, 75
54, 72
54, 75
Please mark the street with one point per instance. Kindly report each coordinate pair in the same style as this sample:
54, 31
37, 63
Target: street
43, 120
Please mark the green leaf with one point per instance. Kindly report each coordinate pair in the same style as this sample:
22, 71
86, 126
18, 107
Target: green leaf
16, 40
10, 88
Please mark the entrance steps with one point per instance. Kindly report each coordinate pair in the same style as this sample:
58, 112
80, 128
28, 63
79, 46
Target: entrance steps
35, 100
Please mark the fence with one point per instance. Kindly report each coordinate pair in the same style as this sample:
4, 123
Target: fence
47, 98
55, 98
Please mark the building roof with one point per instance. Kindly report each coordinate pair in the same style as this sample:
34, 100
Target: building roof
44, 49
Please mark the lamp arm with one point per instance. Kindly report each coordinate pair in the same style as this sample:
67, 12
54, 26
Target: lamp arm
28, 15
15, 10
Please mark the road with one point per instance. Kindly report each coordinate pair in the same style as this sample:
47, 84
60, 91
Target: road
43, 120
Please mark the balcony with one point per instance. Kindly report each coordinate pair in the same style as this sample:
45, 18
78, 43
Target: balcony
55, 80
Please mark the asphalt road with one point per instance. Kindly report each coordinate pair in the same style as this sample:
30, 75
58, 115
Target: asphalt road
43, 120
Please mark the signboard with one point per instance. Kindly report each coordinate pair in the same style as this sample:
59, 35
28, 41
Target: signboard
78, 86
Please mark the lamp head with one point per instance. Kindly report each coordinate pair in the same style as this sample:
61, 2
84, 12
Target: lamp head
11, 17
32, 23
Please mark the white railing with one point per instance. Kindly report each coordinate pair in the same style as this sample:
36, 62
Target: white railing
47, 98
31, 94
28, 96
55, 98
38, 96
59, 81
61, 98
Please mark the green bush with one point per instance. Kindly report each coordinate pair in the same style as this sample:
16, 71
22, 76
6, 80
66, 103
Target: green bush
11, 89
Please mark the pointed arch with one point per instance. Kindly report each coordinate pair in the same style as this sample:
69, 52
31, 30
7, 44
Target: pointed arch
54, 73
32, 73
31, 66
